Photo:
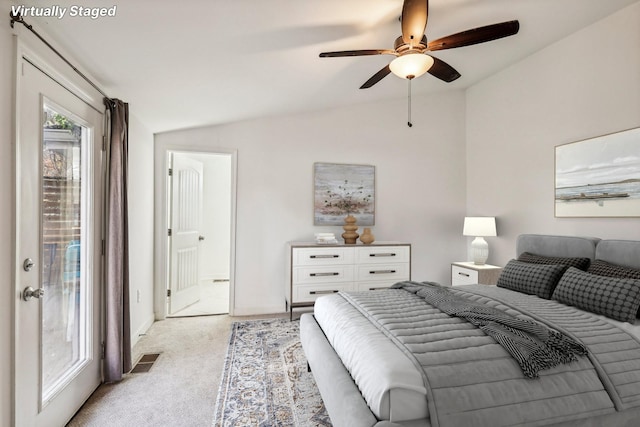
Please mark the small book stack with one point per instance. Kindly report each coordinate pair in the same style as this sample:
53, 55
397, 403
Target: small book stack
326, 239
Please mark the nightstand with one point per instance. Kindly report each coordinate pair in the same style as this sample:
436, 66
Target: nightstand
468, 273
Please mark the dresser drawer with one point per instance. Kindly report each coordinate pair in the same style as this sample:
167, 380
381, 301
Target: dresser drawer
309, 293
389, 272
323, 274
314, 270
463, 276
322, 256
382, 254
374, 286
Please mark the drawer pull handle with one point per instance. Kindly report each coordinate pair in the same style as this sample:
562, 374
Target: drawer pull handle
383, 254
323, 274
323, 256
463, 274
382, 271
322, 292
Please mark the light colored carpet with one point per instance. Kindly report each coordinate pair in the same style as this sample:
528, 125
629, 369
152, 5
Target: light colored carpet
181, 387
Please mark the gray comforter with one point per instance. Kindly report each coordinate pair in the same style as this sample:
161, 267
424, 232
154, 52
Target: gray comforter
533, 345
473, 381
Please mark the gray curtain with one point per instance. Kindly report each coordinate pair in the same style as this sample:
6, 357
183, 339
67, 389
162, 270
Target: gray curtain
117, 316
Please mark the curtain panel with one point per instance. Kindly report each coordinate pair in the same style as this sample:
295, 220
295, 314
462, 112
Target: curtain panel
117, 317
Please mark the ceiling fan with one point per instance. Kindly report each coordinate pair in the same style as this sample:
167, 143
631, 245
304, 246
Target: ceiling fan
410, 49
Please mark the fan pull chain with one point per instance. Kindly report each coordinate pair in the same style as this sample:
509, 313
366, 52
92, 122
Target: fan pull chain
409, 104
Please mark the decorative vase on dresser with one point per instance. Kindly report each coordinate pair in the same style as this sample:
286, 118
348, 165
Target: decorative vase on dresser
350, 236
367, 237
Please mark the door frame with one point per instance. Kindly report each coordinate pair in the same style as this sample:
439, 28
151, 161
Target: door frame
50, 64
161, 219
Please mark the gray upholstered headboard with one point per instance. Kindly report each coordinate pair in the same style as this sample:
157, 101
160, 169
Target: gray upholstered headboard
620, 252
557, 246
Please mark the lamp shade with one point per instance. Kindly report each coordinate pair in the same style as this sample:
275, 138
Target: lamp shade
479, 226
411, 65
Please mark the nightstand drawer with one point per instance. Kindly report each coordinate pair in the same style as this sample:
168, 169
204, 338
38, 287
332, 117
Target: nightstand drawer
323, 274
322, 256
468, 273
463, 276
388, 272
382, 254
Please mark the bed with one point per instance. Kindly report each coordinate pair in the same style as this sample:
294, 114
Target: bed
387, 358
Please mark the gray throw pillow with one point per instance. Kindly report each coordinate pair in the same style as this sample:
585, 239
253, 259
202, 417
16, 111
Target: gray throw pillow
580, 263
616, 298
604, 268
533, 279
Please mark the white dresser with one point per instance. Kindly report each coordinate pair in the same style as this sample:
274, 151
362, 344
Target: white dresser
314, 270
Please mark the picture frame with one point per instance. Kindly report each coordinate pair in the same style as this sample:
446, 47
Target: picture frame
341, 190
599, 177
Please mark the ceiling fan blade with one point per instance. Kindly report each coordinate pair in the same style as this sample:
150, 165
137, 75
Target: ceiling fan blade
443, 71
414, 20
376, 77
475, 36
357, 53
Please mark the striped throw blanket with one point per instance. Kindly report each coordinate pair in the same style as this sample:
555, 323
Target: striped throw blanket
534, 346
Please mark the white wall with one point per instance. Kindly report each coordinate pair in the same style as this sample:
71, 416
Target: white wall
140, 226
583, 86
420, 179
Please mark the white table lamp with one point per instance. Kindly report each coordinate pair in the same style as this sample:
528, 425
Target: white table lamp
479, 227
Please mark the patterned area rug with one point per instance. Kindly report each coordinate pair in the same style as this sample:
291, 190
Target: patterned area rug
265, 380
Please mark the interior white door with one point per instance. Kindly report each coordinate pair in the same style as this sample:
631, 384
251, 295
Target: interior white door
58, 250
186, 217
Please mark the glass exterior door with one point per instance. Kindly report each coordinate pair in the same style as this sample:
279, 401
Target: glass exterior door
58, 250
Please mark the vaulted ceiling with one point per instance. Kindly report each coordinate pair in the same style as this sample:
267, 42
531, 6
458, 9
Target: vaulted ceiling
201, 62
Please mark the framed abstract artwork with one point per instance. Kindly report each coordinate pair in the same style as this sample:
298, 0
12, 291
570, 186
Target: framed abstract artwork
341, 190
599, 177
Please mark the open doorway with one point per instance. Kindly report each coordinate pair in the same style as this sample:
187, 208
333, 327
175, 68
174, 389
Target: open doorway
199, 200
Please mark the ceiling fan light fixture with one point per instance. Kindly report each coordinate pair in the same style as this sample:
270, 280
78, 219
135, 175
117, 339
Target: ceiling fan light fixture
411, 65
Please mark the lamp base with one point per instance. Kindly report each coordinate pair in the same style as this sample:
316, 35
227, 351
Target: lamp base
480, 249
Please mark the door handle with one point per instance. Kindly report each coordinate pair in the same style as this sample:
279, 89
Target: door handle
29, 293
201, 238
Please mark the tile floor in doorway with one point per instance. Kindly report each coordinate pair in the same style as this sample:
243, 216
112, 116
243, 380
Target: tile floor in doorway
214, 299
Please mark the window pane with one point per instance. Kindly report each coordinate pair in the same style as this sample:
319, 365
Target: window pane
63, 249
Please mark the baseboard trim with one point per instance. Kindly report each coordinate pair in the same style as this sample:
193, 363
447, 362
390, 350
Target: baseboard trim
135, 337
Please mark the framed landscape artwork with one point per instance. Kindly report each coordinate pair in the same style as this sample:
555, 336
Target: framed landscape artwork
599, 177
341, 190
